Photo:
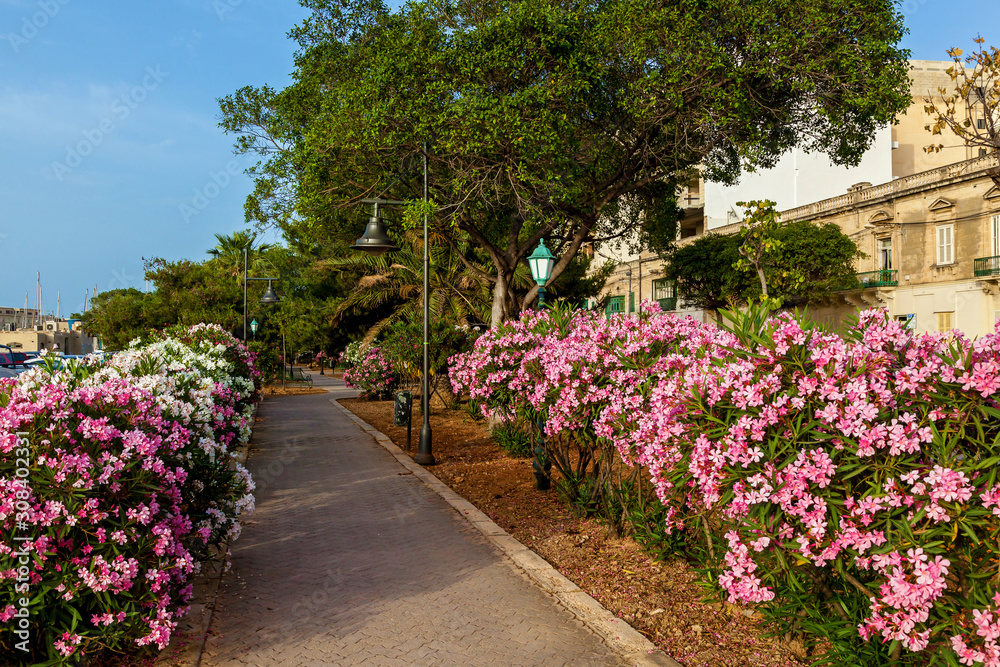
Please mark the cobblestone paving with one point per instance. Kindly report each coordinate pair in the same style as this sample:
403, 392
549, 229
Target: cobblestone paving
350, 560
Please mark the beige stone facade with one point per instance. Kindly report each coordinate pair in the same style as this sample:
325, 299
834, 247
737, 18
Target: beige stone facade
12, 319
932, 242
909, 135
66, 334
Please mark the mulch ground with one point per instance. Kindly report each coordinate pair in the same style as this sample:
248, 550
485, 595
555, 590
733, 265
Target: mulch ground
660, 599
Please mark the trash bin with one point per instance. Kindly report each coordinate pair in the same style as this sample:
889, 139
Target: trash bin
402, 408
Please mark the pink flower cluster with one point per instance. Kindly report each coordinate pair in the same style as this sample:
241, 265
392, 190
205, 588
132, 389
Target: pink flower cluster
374, 375
124, 481
983, 646
913, 582
870, 456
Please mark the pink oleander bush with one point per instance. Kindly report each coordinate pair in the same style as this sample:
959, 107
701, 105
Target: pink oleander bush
374, 375
120, 482
846, 485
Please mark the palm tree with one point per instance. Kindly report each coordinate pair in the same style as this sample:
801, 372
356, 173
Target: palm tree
457, 292
228, 250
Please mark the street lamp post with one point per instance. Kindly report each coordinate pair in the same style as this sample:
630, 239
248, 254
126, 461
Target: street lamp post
375, 241
268, 298
269, 295
541, 262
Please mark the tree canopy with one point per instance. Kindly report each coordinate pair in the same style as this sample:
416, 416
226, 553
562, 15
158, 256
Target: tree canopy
188, 292
569, 121
808, 263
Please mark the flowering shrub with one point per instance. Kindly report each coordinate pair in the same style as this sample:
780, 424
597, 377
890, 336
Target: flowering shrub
353, 354
402, 341
218, 343
115, 478
373, 375
265, 359
847, 485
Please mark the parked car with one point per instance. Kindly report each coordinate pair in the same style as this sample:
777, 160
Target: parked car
8, 373
11, 359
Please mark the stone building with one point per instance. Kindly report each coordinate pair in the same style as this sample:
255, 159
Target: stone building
924, 204
932, 242
12, 319
52, 334
932, 246
909, 138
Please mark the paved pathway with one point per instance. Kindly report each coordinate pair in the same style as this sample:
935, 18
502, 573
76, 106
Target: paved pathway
351, 560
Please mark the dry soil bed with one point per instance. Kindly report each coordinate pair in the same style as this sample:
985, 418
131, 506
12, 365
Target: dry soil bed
660, 599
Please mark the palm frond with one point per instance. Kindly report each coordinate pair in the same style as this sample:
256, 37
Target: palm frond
367, 281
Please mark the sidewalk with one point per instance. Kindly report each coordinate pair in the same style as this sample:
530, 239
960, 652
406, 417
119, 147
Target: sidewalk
352, 560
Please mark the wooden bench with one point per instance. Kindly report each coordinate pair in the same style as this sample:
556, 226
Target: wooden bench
297, 375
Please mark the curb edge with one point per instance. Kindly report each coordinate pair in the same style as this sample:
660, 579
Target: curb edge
621, 637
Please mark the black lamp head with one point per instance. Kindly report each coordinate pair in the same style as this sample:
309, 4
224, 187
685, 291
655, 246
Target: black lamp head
269, 295
375, 241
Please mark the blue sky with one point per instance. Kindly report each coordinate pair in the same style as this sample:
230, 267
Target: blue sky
108, 127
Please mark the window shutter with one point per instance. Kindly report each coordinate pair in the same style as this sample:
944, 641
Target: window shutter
995, 228
945, 253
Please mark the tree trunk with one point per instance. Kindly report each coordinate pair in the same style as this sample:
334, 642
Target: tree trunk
499, 311
763, 281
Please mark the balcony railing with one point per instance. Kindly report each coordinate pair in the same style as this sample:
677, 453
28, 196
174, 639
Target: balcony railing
968, 168
986, 266
668, 304
882, 278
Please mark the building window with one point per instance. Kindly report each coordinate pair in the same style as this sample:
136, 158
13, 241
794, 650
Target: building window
944, 321
995, 235
616, 304
945, 244
982, 152
981, 123
885, 254
665, 292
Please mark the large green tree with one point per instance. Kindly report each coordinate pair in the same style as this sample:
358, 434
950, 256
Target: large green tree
704, 272
808, 263
117, 317
568, 121
393, 284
